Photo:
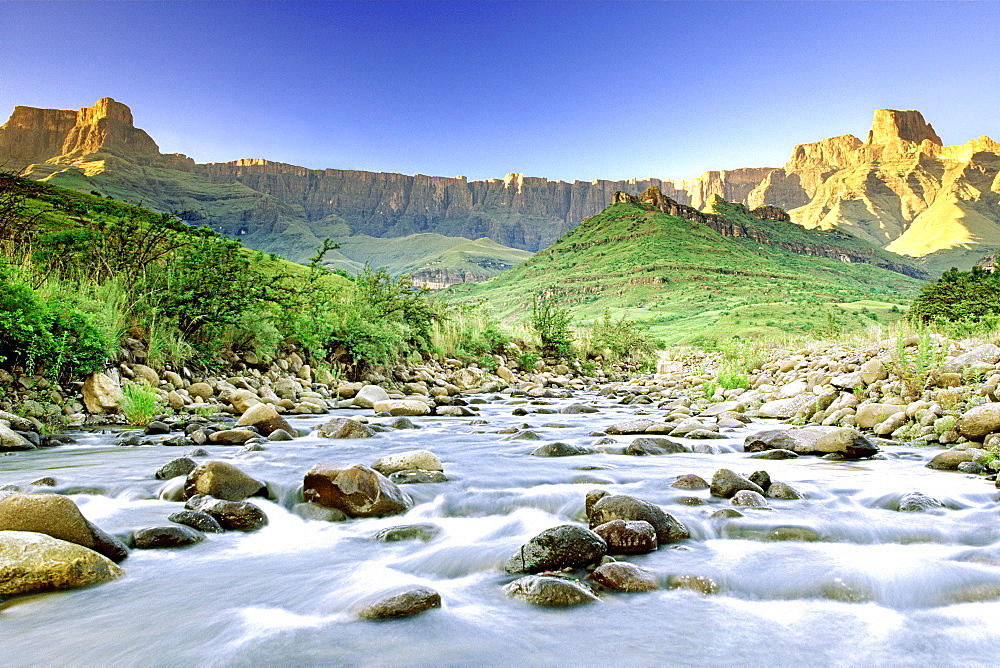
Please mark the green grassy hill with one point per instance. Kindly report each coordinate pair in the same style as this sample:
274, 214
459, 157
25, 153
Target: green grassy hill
689, 283
427, 256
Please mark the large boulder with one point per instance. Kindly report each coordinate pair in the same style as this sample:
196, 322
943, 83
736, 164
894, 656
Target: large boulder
57, 516
11, 440
550, 591
398, 603
631, 427
231, 515
873, 370
232, 436
726, 484
634, 537
33, 562
201, 391
847, 441
981, 357
652, 445
869, 415
422, 460
369, 395
345, 428
358, 491
176, 467
812, 440
980, 421
564, 546
790, 407
101, 394
559, 449
242, 400
402, 407
623, 576
265, 419
950, 459
155, 538
603, 507
223, 481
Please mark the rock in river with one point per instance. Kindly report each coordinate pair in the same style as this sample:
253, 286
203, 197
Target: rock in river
33, 562
602, 507
550, 591
726, 483
623, 576
57, 516
358, 491
651, 445
231, 515
398, 603
559, 449
421, 460
564, 546
631, 537
265, 419
223, 481
196, 520
153, 538
345, 428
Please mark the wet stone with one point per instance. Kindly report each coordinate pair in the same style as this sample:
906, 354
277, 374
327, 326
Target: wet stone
648, 445
196, 520
417, 476
625, 577
750, 498
424, 532
559, 449
774, 454
628, 537
176, 467
780, 490
760, 478
314, 511
164, 537
399, 603
564, 546
697, 583
232, 515
526, 435
47, 481
690, 481
549, 591
157, 427
726, 513
726, 483
918, 502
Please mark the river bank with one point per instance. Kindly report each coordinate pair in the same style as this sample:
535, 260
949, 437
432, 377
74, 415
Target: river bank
846, 548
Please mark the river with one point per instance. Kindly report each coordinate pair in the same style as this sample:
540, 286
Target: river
286, 595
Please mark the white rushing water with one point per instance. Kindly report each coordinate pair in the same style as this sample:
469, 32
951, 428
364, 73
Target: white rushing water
287, 595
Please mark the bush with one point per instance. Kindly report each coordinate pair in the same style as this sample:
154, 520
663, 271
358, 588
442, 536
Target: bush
960, 296
622, 338
551, 323
42, 336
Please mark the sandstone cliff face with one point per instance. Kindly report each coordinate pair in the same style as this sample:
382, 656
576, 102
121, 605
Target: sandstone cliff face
900, 188
63, 137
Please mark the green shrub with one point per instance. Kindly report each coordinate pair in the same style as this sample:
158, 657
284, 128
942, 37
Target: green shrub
551, 323
731, 380
959, 296
528, 359
140, 403
41, 335
622, 338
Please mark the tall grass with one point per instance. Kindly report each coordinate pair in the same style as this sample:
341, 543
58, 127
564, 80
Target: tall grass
140, 403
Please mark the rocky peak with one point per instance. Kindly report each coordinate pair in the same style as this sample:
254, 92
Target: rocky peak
891, 127
34, 136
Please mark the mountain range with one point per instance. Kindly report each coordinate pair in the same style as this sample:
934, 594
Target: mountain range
900, 189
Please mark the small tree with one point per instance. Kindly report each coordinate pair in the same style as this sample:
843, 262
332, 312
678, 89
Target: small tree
551, 323
970, 296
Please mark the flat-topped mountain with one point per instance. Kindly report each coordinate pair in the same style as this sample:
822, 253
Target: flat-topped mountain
900, 188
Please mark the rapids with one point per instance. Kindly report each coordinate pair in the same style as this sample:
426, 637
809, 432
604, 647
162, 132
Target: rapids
878, 587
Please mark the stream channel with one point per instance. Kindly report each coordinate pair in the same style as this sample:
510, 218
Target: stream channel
880, 587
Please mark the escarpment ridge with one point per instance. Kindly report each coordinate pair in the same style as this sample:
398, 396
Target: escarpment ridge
900, 188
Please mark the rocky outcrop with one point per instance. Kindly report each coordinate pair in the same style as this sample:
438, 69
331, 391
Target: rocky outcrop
900, 188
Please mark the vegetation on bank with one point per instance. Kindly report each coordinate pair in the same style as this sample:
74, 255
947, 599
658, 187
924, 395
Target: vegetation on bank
84, 277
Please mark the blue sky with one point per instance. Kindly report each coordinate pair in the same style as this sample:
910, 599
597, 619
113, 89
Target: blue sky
566, 90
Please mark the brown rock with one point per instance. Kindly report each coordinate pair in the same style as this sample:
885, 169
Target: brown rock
265, 419
399, 603
101, 394
358, 491
623, 576
57, 516
33, 562
632, 537
345, 428
222, 481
